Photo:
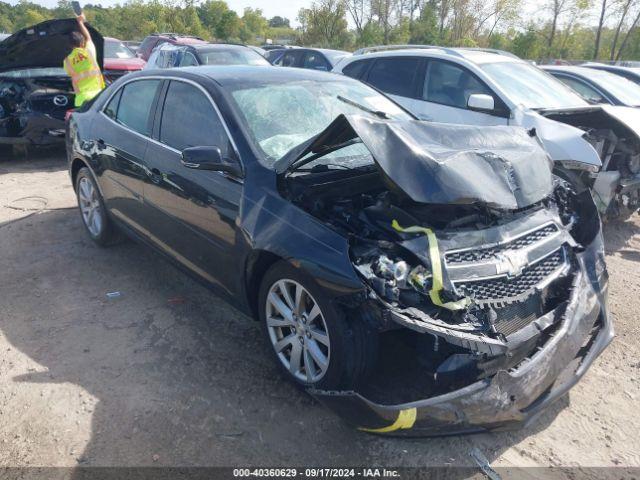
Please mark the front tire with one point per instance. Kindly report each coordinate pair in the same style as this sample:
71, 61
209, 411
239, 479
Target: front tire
312, 341
93, 212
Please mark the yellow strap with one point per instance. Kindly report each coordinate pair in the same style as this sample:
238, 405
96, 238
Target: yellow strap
436, 267
406, 419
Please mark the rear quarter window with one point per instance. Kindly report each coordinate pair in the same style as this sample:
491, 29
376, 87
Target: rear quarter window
355, 69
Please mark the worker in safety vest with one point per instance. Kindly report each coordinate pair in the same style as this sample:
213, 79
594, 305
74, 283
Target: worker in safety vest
81, 65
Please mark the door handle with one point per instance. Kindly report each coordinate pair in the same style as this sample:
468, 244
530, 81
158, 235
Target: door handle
155, 175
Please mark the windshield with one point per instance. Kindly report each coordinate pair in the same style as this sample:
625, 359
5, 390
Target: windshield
35, 73
115, 49
624, 90
280, 117
239, 56
531, 87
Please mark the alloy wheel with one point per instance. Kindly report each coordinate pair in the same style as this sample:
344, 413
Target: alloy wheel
298, 331
90, 206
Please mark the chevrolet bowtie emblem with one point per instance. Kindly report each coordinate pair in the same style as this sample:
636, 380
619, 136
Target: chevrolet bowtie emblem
511, 262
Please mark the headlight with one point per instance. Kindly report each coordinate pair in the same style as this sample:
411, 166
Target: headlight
576, 165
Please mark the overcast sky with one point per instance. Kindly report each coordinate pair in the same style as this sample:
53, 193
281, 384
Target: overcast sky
270, 8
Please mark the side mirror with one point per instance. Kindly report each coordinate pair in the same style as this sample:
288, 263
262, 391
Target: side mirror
481, 102
209, 158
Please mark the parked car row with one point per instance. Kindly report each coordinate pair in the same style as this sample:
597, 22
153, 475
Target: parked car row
171, 56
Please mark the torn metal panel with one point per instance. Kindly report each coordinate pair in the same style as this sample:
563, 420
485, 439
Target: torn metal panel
501, 167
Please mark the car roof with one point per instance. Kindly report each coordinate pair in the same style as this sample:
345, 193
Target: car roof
478, 56
179, 39
615, 67
578, 70
216, 46
254, 75
329, 50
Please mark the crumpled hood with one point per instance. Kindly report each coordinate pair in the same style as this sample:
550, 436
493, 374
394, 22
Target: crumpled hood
44, 45
502, 167
629, 116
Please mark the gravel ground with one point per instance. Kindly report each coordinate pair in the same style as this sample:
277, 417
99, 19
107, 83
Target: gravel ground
167, 374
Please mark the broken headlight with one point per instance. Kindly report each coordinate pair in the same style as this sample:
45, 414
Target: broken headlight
394, 279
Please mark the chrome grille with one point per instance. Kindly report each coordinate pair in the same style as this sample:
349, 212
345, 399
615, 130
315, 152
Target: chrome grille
476, 255
505, 289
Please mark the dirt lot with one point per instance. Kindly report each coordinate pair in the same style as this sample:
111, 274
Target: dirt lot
167, 374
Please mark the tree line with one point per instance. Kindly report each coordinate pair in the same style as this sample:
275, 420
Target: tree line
553, 29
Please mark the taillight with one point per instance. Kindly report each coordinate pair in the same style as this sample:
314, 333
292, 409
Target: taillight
67, 115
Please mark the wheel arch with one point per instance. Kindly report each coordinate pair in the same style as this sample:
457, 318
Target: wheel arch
256, 266
76, 165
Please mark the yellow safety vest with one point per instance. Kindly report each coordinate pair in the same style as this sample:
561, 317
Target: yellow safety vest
85, 75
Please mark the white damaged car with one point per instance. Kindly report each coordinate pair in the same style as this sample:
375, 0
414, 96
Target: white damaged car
595, 146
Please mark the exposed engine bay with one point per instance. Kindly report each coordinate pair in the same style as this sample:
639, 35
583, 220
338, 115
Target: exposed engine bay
35, 91
501, 273
460, 290
33, 109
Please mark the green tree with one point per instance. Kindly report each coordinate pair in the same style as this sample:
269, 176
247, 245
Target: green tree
325, 24
255, 23
277, 22
527, 44
424, 29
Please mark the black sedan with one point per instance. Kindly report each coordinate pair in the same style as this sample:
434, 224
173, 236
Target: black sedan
598, 86
416, 278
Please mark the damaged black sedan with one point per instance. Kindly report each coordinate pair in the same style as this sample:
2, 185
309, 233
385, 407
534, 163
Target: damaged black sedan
416, 278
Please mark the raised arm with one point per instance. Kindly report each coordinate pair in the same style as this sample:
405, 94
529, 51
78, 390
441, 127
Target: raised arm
83, 28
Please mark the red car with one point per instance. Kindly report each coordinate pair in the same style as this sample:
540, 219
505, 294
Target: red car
119, 60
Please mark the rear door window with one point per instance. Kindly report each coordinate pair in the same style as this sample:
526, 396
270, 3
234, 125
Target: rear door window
190, 120
315, 61
448, 84
135, 104
288, 59
395, 76
111, 110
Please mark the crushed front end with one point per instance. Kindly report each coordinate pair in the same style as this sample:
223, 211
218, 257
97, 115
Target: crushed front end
532, 319
490, 306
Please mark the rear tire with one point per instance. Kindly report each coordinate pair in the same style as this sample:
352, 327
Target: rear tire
311, 340
93, 212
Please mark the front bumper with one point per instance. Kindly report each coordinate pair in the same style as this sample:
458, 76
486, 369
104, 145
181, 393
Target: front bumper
31, 128
509, 399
